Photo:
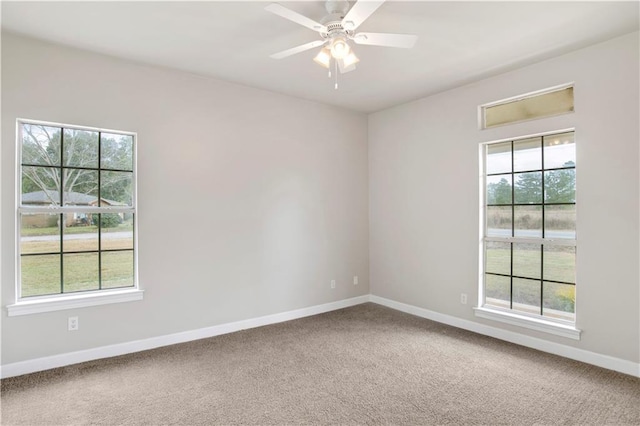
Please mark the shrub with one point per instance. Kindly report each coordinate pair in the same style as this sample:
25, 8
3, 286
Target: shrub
107, 220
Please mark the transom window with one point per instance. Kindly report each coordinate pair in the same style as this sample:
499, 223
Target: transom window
530, 226
541, 104
76, 210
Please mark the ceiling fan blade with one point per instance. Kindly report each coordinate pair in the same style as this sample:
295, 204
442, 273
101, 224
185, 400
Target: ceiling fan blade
359, 13
289, 14
405, 41
297, 49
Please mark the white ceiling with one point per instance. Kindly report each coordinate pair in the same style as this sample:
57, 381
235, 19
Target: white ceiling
459, 42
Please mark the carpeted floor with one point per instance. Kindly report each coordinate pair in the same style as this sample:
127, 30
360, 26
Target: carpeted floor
362, 365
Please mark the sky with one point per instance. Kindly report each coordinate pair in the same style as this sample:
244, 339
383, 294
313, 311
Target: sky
558, 150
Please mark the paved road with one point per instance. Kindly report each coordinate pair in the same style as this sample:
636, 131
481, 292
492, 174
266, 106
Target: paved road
531, 233
88, 236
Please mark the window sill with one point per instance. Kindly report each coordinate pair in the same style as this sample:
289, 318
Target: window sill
537, 324
28, 307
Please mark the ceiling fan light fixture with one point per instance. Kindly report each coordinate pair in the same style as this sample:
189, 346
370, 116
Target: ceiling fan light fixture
350, 59
339, 48
348, 64
323, 57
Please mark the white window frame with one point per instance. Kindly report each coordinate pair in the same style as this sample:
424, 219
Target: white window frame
55, 302
531, 321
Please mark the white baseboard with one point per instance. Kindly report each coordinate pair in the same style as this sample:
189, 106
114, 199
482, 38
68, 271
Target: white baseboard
604, 361
61, 360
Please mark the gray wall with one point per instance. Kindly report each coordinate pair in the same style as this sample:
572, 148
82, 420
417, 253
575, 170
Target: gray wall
424, 193
250, 202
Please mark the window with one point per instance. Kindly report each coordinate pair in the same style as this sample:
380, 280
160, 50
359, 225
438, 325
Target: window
546, 103
530, 227
76, 211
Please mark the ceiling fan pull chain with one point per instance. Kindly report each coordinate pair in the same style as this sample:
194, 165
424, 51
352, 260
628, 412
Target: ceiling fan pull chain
336, 71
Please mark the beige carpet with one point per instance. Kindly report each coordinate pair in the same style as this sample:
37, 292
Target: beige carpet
363, 365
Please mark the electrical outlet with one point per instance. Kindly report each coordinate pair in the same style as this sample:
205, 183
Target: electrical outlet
355, 280
73, 323
463, 298
333, 283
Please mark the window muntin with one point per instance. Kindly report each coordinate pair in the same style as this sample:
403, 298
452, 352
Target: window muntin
530, 233
76, 210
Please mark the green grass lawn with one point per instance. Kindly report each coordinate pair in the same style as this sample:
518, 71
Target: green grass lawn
53, 245
53, 230
558, 263
41, 274
88, 270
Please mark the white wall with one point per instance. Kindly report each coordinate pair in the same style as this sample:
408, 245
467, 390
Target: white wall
424, 193
250, 202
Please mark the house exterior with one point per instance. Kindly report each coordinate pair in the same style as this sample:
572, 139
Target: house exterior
47, 198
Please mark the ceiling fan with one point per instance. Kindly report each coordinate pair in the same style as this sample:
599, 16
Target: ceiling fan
336, 30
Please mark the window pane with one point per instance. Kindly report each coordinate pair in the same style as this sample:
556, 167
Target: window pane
117, 269
528, 221
498, 257
560, 186
499, 189
40, 274
526, 260
40, 186
498, 158
530, 107
559, 301
527, 155
559, 151
80, 148
497, 291
80, 272
81, 188
116, 151
560, 263
39, 233
119, 236
560, 221
528, 187
40, 145
116, 189
499, 221
79, 233
526, 296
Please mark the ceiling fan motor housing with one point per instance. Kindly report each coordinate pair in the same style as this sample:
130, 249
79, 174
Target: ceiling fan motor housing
335, 29
337, 10
337, 7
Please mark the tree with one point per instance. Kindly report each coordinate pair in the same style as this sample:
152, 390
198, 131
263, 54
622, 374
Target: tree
42, 147
560, 185
528, 187
499, 192
45, 149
